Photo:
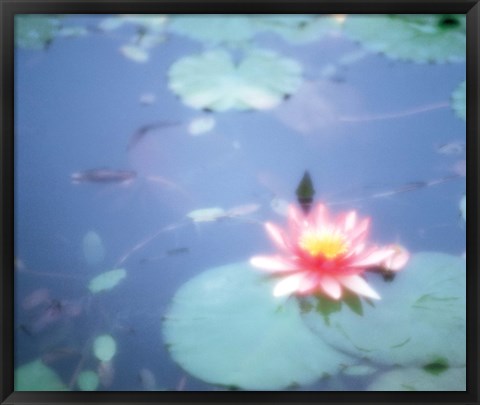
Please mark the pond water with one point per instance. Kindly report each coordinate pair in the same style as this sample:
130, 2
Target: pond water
159, 146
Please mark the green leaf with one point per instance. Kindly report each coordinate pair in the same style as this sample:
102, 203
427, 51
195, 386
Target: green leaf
436, 367
419, 38
225, 327
104, 347
88, 380
107, 280
213, 80
36, 376
415, 379
34, 31
459, 100
420, 318
354, 303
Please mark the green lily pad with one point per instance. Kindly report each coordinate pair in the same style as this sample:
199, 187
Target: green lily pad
213, 81
459, 101
36, 376
463, 207
88, 380
93, 249
104, 348
214, 29
225, 327
419, 38
420, 318
298, 28
107, 280
415, 379
34, 31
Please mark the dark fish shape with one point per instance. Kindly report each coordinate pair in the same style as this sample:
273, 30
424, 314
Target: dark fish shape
103, 175
141, 132
305, 192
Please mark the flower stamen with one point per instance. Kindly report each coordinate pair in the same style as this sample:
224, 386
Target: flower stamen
328, 244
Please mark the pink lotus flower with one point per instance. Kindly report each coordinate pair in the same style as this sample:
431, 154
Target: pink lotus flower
325, 255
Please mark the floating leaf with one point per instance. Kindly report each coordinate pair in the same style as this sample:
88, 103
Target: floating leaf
459, 100
419, 38
463, 207
107, 280
415, 379
225, 327
104, 348
420, 318
298, 28
36, 376
93, 249
34, 31
214, 29
88, 380
213, 81
146, 22
206, 214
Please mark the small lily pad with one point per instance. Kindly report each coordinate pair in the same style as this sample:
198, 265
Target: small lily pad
419, 38
213, 81
36, 376
104, 348
225, 327
34, 31
420, 318
206, 214
88, 380
107, 280
459, 101
415, 379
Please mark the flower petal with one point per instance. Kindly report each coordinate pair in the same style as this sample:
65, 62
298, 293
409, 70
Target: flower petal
349, 221
375, 258
277, 235
273, 263
331, 287
398, 259
358, 285
289, 285
320, 216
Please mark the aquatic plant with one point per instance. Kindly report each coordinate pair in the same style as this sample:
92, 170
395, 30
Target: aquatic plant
323, 255
421, 318
214, 29
104, 348
459, 101
225, 327
420, 379
88, 380
36, 376
107, 280
35, 31
213, 81
298, 28
419, 38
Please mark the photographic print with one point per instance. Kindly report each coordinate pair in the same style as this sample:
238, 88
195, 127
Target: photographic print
240, 202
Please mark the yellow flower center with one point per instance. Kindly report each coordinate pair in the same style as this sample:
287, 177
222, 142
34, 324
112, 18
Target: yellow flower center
327, 244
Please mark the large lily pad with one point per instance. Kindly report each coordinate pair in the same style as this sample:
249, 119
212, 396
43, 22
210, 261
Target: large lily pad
459, 100
420, 318
298, 28
415, 379
419, 38
214, 29
36, 376
225, 327
213, 81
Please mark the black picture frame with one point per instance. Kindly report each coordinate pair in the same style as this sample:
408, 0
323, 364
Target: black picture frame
8, 8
